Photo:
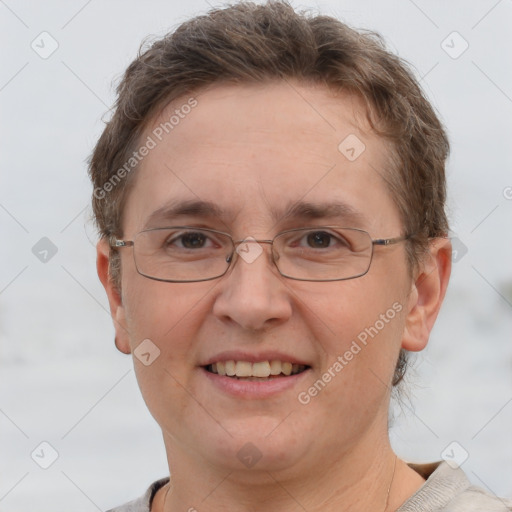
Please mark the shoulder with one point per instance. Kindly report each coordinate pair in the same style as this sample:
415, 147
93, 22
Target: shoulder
448, 489
142, 504
475, 498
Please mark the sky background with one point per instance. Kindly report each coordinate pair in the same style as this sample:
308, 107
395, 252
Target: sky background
61, 380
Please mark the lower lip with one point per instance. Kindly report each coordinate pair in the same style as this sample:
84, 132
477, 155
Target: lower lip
254, 389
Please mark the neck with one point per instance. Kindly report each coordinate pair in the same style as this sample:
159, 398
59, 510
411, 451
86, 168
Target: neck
359, 480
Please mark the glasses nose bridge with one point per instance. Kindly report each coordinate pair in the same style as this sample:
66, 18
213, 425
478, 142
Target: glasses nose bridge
237, 243
250, 239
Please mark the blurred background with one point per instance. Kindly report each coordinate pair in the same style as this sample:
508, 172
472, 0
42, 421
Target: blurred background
62, 382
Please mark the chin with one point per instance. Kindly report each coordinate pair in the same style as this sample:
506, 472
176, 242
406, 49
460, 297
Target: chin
257, 444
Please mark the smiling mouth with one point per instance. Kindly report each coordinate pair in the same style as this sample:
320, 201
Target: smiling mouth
260, 371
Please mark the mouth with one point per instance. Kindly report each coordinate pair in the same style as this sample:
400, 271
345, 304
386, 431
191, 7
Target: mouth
260, 371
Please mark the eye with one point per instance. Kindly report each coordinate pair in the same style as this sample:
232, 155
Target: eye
189, 240
319, 239
324, 240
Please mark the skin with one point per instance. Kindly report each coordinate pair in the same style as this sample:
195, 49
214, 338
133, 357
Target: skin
254, 149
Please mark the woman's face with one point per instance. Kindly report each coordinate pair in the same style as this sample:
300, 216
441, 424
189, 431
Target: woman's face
259, 160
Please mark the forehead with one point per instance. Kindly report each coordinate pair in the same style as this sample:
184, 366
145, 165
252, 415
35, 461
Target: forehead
254, 152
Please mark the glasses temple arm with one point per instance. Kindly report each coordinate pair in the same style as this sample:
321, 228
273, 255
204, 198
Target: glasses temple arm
390, 241
116, 243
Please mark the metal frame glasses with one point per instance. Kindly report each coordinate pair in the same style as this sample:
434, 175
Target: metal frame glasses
182, 254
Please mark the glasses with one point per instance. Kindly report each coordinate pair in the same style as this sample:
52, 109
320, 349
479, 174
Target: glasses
182, 254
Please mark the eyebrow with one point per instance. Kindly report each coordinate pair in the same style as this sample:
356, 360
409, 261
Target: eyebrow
301, 210
183, 208
309, 211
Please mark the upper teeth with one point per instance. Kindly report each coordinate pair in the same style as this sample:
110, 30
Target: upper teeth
259, 369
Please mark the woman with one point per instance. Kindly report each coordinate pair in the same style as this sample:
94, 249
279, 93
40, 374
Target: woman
270, 196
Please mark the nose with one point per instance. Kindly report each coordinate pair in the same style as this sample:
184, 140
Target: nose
252, 294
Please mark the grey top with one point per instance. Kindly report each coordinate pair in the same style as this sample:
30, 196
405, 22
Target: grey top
445, 490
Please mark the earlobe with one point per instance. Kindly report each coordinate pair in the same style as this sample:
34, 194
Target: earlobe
117, 310
122, 346
426, 295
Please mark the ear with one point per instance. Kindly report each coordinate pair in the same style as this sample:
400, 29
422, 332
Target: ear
114, 296
427, 293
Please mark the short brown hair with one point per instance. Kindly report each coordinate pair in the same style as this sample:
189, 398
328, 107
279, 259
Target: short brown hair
251, 43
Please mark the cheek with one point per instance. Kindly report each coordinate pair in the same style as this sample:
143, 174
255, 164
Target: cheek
360, 351
343, 311
359, 326
166, 313
163, 320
